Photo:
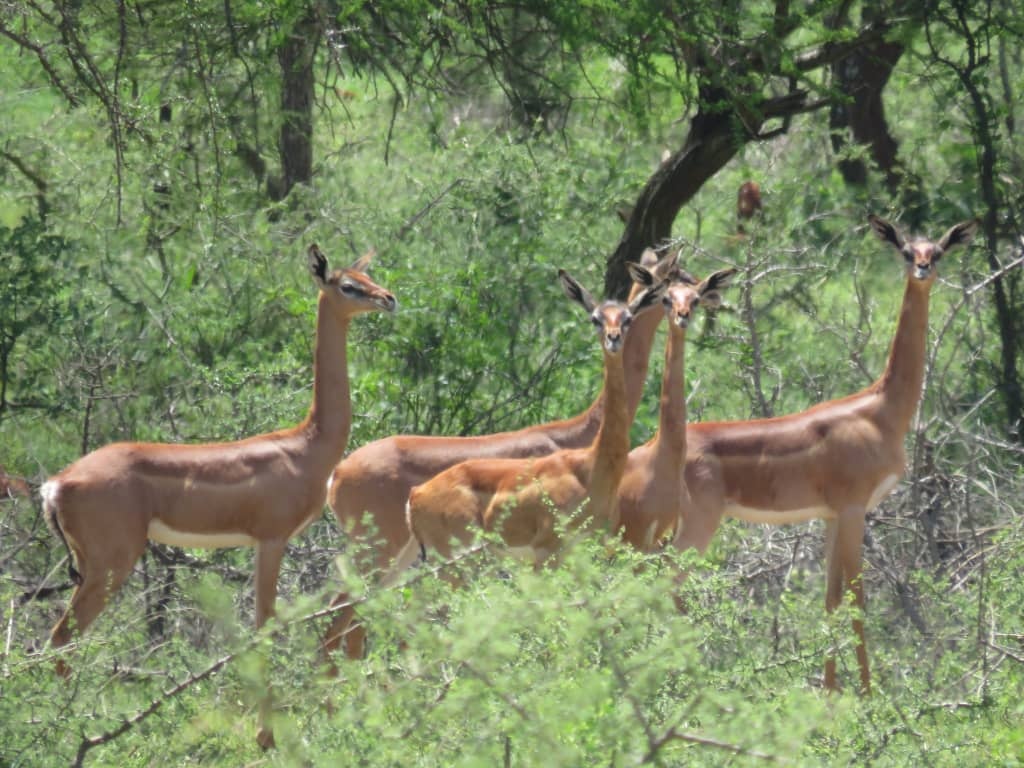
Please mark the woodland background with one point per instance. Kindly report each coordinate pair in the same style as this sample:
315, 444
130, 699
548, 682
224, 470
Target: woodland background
163, 166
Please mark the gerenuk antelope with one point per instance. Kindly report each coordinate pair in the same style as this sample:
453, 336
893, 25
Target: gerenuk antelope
835, 461
653, 496
520, 498
257, 492
375, 480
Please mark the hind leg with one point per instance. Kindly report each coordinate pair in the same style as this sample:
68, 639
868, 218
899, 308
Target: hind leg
99, 581
343, 630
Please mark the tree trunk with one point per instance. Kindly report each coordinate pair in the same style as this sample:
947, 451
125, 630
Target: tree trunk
713, 140
858, 112
295, 146
861, 79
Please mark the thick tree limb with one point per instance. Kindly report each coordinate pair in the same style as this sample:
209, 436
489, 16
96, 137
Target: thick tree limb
713, 140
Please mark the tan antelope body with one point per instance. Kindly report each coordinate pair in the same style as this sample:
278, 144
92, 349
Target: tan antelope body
653, 495
834, 461
376, 479
255, 492
520, 498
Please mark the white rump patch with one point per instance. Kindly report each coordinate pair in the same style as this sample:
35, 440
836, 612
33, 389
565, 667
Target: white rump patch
48, 492
161, 532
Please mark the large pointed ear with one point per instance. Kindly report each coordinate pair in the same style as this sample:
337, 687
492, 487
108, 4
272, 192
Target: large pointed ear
887, 232
710, 287
363, 262
960, 234
317, 264
668, 263
575, 291
641, 274
647, 297
649, 258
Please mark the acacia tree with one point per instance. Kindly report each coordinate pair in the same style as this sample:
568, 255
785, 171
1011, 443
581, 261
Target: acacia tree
745, 70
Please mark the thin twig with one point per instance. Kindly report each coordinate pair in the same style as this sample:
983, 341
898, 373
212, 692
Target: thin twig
137, 718
672, 734
404, 229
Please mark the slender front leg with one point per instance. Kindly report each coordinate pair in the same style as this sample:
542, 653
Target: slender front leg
844, 541
268, 566
849, 546
833, 594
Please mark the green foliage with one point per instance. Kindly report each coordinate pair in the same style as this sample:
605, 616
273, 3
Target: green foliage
587, 663
150, 290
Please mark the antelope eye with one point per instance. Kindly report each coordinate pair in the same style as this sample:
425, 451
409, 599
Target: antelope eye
595, 320
908, 255
696, 300
348, 289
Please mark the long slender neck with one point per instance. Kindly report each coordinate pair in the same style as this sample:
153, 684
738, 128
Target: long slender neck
671, 436
580, 430
901, 381
610, 448
330, 416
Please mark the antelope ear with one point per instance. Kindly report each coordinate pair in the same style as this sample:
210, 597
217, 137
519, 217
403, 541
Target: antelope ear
669, 263
317, 264
959, 234
710, 287
649, 258
363, 262
716, 281
576, 292
647, 297
887, 232
641, 274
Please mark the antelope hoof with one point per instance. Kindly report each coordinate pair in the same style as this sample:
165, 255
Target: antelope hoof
265, 738
63, 669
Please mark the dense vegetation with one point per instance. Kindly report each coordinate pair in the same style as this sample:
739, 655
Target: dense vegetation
159, 186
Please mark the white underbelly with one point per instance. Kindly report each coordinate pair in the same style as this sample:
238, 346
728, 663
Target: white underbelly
778, 516
787, 516
161, 532
522, 553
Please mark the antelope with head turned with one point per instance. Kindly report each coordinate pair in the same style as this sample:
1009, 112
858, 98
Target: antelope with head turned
835, 461
519, 498
258, 492
653, 496
375, 480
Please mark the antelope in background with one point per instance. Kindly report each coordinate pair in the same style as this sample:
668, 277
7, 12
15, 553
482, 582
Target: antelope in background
376, 479
519, 498
653, 497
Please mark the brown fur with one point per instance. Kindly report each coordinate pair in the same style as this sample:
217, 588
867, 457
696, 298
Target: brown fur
519, 498
831, 461
259, 491
375, 480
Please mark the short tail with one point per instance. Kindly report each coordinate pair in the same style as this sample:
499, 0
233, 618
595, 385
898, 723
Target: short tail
48, 491
412, 531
